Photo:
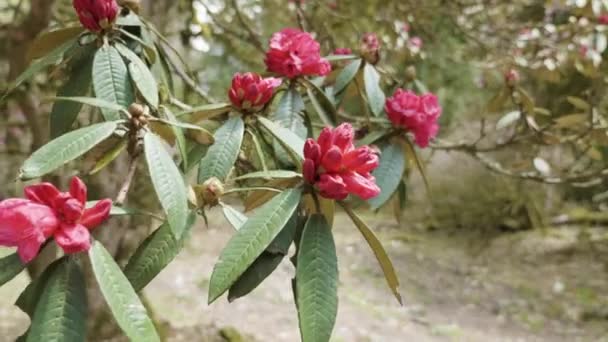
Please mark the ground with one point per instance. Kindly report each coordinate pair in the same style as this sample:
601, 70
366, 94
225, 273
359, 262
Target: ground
526, 286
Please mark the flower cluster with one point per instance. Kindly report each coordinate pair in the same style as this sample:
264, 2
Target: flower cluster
295, 53
96, 15
45, 212
417, 114
370, 48
250, 92
337, 168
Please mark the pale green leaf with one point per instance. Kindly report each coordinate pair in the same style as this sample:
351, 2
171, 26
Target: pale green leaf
286, 137
270, 174
222, 155
251, 240
65, 149
233, 216
388, 174
141, 76
374, 92
168, 183
347, 75
111, 80
129, 312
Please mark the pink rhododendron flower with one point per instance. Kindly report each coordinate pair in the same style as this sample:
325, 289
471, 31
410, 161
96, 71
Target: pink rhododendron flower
603, 19
45, 212
416, 42
96, 15
294, 53
337, 168
417, 114
512, 77
370, 48
343, 51
251, 92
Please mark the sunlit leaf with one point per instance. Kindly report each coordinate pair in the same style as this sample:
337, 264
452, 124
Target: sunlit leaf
126, 307
168, 183
111, 80
65, 149
286, 137
233, 216
508, 119
579, 103
251, 240
374, 92
388, 174
222, 155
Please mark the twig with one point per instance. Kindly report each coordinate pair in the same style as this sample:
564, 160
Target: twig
126, 185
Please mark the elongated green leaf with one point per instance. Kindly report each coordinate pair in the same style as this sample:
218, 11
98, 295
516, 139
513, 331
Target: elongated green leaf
261, 268
64, 113
288, 112
322, 104
168, 183
141, 76
281, 243
126, 307
339, 58
91, 101
347, 75
65, 149
111, 80
180, 138
29, 297
374, 92
270, 174
287, 138
206, 111
233, 216
251, 240
153, 255
222, 155
109, 156
117, 211
62, 307
10, 267
388, 174
381, 255
317, 281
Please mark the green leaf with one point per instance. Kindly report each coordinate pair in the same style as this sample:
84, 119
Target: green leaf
339, 58
65, 149
508, 119
64, 113
281, 243
154, 254
261, 268
374, 92
317, 281
141, 76
388, 174
91, 101
270, 174
116, 211
168, 183
109, 156
385, 262
29, 297
205, 112
346, 76
111, 80
126, 307
288, 115
38, 65
61, 310
233, 216
180, 138
10, 267
286, 137
322, 104
222, 155
251, 240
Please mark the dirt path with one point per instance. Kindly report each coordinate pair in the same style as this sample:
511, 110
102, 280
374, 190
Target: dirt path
523, 287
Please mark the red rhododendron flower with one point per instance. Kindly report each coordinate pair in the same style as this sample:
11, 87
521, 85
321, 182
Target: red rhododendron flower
603, 19
295, 53
28, 223
251, 92
96, 15
337, 168
343, 51
417, 114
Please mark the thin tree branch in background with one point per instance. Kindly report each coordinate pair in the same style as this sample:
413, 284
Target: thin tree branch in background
255, 38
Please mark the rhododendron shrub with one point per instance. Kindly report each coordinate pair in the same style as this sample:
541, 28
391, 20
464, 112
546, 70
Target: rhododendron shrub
283, 144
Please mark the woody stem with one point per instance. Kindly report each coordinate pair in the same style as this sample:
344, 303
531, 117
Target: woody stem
126, 185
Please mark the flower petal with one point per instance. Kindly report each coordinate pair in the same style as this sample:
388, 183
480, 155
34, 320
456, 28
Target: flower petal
364, 187
78, 190
73, 238
96, 215
43, 193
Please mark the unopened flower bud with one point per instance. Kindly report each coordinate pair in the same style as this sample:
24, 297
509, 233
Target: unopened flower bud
211, 191
512, 77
